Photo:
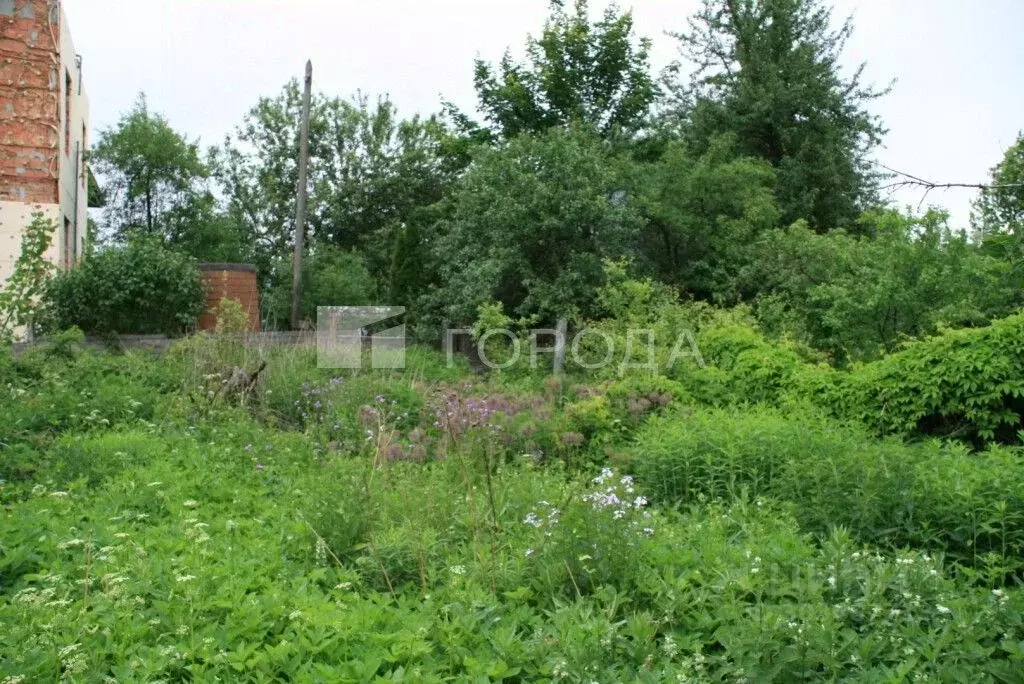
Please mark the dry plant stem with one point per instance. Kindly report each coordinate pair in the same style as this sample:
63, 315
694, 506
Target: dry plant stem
423, 571
490, 487
324, 542
88, 570
573, 578
384, 571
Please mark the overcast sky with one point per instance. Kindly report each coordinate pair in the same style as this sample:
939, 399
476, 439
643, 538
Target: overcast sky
958, 102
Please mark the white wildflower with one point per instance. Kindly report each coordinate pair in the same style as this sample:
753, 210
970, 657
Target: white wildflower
68, 650
533, 520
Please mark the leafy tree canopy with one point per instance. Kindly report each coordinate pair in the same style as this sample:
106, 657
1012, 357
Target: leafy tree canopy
703, 214
768, 71
370, 172
530, 225
1000, 208
594, 74
149, 168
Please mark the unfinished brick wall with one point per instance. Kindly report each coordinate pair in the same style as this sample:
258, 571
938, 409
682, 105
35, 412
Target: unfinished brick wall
30, 96
230, 281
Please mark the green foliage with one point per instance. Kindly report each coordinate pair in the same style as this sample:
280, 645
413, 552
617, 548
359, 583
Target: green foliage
51, 390
330, 277
199, 228
139, 288
149, 170
769, 72
927, 496
579, 73
856, 298
20, 294
1000, 209
232, 318
964, 384
370, 173
197, 562
279, 542
703, 215
530, 225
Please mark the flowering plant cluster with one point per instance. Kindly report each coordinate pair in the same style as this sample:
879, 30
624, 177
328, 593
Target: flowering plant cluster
594, 538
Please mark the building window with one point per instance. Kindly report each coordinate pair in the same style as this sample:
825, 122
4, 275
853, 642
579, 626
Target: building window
69, 244
67, 112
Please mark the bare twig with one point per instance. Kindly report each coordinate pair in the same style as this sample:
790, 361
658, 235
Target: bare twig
908, 180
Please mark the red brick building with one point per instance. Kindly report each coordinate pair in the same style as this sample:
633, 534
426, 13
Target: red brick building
44, 121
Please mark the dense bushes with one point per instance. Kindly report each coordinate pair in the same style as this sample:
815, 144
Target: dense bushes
966, 384
860, 297
330, 277
928, 496
963, 384
139, 288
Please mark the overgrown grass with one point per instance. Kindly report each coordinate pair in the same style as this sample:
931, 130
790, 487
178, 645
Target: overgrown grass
932, 496
430, 525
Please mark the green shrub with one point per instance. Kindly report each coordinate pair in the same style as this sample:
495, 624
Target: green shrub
21, 290
930, 496
963, 384
966, 384
330, 277
139, 288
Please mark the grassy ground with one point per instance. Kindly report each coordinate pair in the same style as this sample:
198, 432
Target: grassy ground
432, 525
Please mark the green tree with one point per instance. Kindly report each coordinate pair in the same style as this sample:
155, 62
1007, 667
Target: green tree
768, 71
149, 169
857, 297
592, 74
370, 172
999, 211
331, 277
530, 225
200, 228
703, 216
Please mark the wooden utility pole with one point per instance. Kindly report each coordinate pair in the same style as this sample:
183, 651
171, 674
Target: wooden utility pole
300, 205
561, 332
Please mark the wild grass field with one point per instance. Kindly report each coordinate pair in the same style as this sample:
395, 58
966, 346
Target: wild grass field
434, 524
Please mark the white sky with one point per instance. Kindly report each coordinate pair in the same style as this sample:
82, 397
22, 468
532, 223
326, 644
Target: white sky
957, 105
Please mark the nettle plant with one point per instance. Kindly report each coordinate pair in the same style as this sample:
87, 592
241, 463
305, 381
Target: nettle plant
20, 295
